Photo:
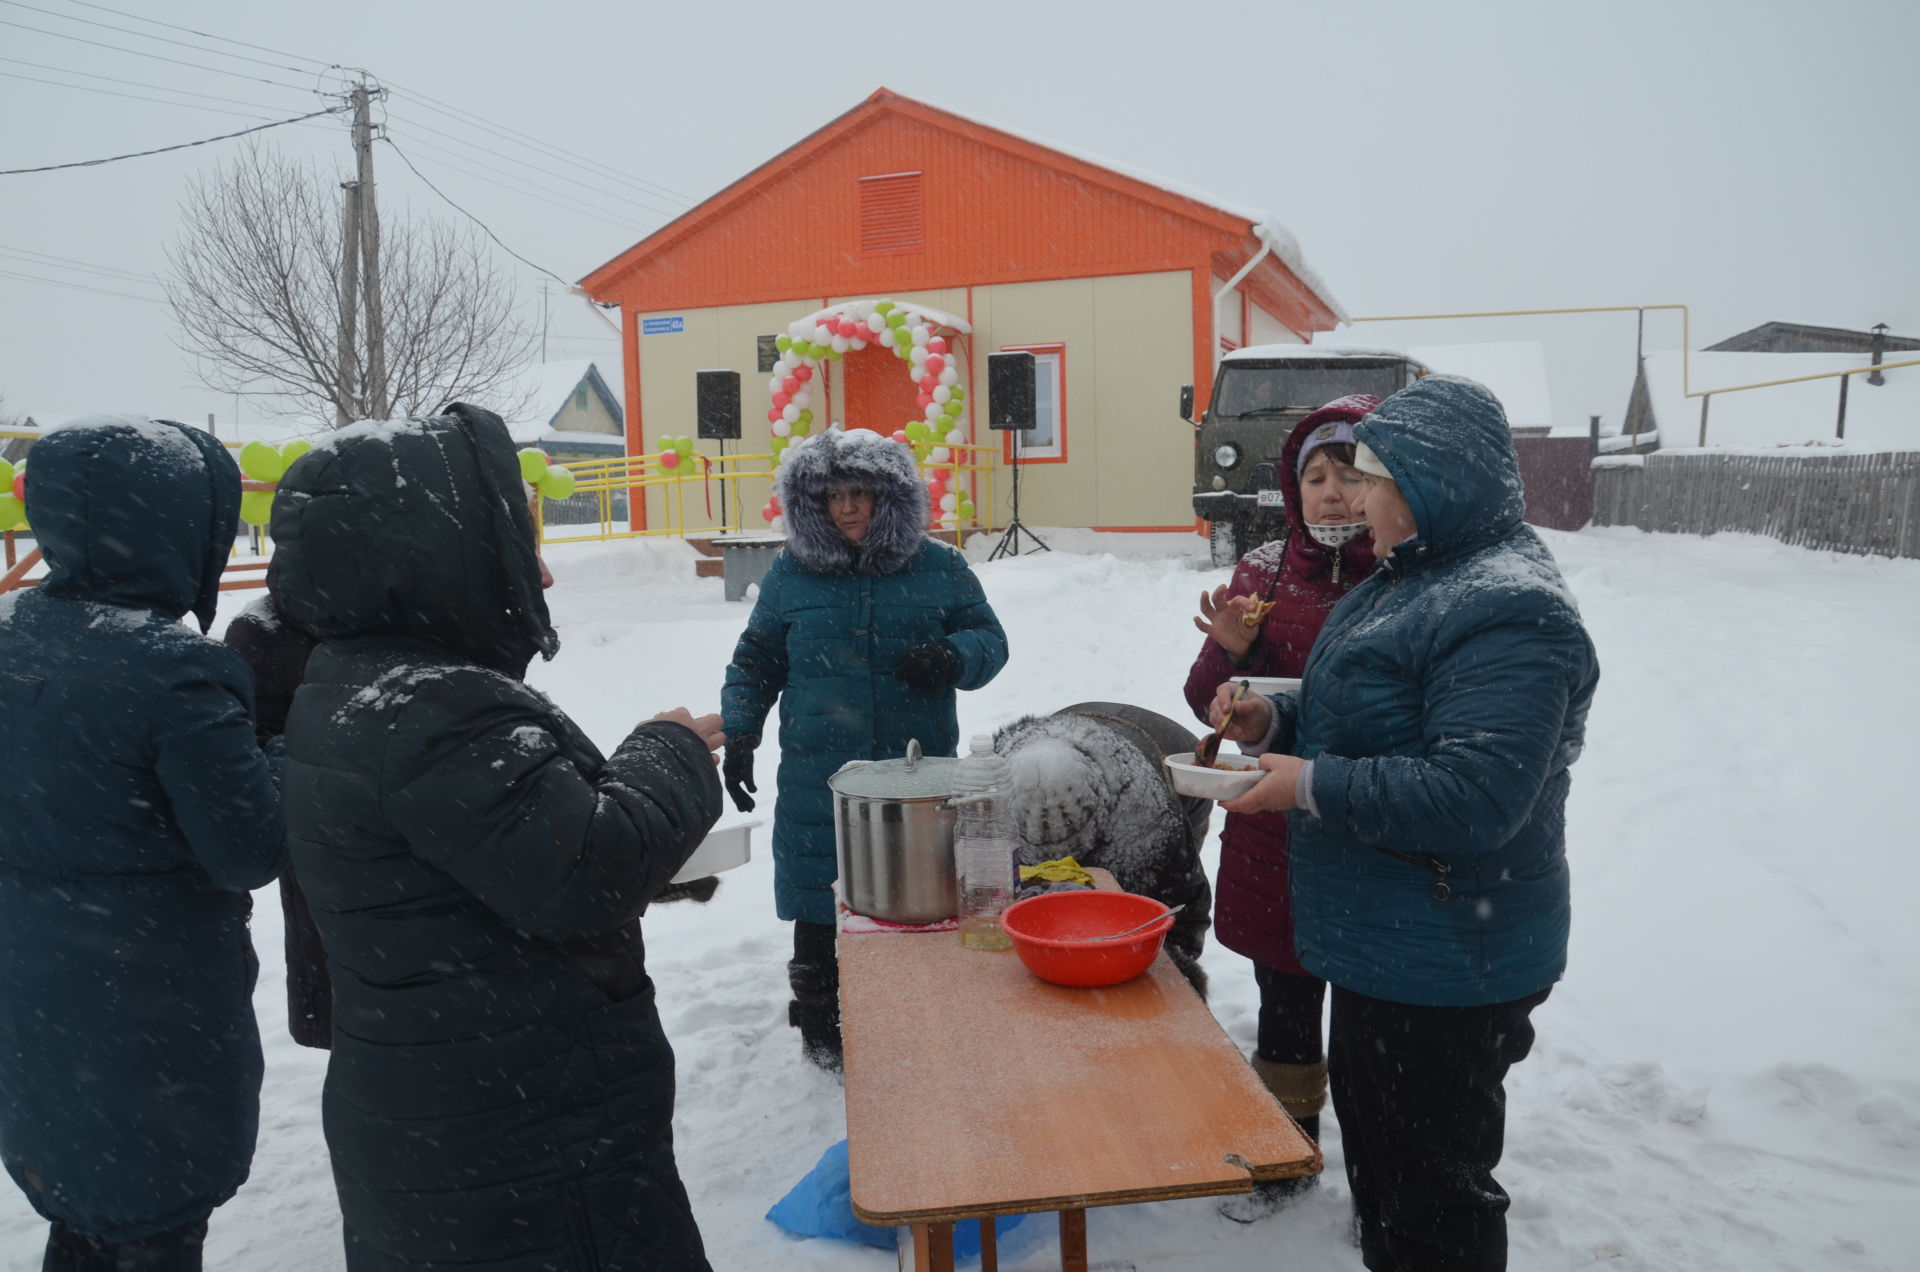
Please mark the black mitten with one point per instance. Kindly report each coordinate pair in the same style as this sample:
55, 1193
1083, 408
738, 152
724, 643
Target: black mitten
737, 769
934, 665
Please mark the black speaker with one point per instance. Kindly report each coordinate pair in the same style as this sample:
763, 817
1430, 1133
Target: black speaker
717, 407
1011, 391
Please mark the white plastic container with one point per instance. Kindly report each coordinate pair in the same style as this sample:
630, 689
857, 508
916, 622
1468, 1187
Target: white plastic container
724, 848
1241, 774
983, 844
1267, 686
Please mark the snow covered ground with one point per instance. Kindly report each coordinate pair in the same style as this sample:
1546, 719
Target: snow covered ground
1724, 1080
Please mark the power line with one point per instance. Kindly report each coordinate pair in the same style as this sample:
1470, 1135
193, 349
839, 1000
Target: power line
494, 177
141, 154
55, 282
142, 35
470, 216
44, 260
534, 143
127, 83
198, 66
158, 101
533, 167
205, 35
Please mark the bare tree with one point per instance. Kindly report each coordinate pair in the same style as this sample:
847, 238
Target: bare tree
256, 290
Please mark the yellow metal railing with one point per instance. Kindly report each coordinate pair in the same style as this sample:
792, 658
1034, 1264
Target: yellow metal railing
718, 486
1686, 346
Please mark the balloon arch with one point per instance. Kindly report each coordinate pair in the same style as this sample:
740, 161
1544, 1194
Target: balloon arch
908, 331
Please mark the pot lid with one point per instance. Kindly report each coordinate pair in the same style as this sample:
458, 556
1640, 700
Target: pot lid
915, 777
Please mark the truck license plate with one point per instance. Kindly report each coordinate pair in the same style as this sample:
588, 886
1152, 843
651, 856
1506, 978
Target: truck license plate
1271, 499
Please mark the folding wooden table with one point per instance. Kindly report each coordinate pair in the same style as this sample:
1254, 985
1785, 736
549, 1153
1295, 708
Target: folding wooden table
974, 1089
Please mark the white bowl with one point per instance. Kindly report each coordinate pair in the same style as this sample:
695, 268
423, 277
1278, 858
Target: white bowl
1267, 686
724, 848
1212, 783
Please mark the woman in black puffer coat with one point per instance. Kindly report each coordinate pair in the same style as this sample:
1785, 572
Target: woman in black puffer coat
500, 1093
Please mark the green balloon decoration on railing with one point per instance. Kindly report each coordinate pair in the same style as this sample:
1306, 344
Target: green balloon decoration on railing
550, 479
13, 496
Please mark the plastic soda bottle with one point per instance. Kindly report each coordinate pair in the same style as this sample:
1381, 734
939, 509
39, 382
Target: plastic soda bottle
983, 844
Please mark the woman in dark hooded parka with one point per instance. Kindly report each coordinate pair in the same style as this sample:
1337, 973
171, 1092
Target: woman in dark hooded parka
138, 815
500, 1092
1425, 761
863, 630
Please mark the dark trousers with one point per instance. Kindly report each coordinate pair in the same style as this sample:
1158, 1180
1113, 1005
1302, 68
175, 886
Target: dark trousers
1289, 1021
1422, 1104
176, 1250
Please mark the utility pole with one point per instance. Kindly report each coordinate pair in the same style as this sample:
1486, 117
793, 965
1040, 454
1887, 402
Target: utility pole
543, 320
375, 391
346, 402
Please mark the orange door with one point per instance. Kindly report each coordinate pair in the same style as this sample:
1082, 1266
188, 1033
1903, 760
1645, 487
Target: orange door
880, 393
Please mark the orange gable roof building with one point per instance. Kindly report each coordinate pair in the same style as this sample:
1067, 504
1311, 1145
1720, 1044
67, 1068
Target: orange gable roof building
1123, 286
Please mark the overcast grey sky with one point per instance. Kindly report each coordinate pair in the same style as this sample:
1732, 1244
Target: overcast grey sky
1755, 159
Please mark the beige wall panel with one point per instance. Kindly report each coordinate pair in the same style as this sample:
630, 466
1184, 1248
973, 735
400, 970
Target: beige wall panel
1059, 312
1142, 354
1270, 330
714, 338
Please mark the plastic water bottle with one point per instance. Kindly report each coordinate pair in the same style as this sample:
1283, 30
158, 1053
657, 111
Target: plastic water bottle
983, 844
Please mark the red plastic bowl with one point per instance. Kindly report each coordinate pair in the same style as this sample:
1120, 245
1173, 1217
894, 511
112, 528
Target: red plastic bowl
1051, 935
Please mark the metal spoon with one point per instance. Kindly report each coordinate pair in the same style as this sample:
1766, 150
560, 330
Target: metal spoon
1114, 936
1209, 750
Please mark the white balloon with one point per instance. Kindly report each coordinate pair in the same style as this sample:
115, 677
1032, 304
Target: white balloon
948, 376
942, 394
921, 334
940, 455
779, 524
840, 344
876, 322
949, 501
859, 345
773, 385
957, 437
934, 412
803, 399
799, 328
789, 412
781, 428
822, 336
917, 355
951, 520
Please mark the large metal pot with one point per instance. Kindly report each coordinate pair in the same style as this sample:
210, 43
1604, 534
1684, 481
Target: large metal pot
893, 837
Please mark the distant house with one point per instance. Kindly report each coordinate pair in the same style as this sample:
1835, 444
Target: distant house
1804, 413
1124, 286
570, 413
1798, 337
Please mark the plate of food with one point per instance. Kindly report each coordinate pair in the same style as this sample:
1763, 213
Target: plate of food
1229, 777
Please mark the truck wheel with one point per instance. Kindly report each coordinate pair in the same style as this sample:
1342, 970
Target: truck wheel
1223, 541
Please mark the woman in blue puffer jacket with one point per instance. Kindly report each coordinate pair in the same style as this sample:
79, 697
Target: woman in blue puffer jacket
1425, 763
863, 630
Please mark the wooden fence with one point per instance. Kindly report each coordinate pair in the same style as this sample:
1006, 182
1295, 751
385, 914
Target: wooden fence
1866, 504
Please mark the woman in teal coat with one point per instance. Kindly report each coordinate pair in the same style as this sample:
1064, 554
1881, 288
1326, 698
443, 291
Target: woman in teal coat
1425, 763
863, 630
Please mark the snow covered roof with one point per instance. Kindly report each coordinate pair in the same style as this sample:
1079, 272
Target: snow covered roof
1515, 370
545, 387
1883, 417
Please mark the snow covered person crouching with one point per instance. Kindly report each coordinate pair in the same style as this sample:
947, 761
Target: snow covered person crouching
1088, 783
864, 629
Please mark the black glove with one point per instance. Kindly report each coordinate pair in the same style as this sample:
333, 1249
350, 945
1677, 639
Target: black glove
934, 665
738, 770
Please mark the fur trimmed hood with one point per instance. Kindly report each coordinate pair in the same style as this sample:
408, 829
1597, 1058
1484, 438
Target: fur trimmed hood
865, 460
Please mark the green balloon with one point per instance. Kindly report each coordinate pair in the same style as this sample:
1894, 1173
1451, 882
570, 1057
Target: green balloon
917, 431
801, 428
951, 410
256, 506
783, 343
13, 511
261, 462
558, 483
781, 443
806, 416
533, 466
884, 308
958, 394
896, 319
6, 472
684, 445
292, 451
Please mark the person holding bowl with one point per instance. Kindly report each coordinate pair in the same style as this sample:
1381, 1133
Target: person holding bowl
1424, 768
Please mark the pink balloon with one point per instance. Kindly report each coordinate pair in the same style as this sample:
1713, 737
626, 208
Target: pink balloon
773, 416
937, 345
670, 459
900, 435
773, 502
769, 512
934, 363
791, 384
803, 374
925, 399
781, 399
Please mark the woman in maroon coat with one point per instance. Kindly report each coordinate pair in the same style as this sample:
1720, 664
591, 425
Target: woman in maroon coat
1325, 554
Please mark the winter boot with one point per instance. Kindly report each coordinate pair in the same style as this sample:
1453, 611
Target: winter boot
815, 1011
1302, 1092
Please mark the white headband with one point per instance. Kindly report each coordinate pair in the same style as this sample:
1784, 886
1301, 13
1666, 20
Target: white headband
1369, 463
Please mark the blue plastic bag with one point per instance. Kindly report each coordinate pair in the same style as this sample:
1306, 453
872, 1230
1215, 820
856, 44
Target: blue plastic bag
820, 1205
